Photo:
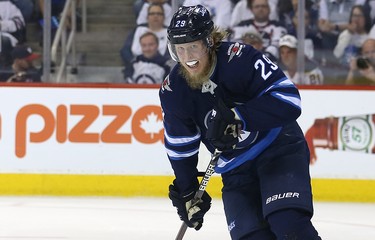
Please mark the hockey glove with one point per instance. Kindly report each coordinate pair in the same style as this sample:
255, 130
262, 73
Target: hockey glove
223, 129
190, 210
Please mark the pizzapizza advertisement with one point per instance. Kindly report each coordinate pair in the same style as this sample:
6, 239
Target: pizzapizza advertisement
119, 130
145, 125
81, 130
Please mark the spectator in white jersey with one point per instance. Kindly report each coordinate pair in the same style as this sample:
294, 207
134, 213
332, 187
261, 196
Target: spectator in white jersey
220, 10
333, 19
270, 30
155, 24
241, 11
334, 15
143, 12
351, 39
150, 67
288, 62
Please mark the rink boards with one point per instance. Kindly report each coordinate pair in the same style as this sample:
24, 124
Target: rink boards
108, 140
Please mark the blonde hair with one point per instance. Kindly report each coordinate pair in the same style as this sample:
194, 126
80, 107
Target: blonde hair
218, 36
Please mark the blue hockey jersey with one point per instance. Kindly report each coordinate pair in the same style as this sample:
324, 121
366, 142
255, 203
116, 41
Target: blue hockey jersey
246, 80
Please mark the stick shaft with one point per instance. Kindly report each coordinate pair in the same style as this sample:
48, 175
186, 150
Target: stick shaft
181, 232
202, 187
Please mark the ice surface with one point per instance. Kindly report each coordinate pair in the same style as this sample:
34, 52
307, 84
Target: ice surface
41, 218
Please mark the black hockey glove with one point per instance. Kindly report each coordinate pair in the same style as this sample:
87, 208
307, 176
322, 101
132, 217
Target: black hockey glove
190, 212
223, 129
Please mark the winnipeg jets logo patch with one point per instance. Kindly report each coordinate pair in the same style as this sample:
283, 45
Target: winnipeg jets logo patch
165, 85
234, 50
209, 86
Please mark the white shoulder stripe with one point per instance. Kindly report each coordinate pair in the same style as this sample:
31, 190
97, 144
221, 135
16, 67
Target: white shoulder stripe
286, 82
294, 100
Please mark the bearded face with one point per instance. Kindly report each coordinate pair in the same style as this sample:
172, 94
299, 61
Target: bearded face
196, 80
196, 62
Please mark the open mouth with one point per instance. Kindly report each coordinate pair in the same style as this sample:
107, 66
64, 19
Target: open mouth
192, 64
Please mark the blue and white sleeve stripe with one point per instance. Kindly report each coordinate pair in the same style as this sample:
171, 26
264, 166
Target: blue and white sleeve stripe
182, 147
292, 99
179, 141
174, 155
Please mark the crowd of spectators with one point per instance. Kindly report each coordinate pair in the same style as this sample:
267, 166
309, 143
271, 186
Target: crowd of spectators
336, 34
18, 63
143, 52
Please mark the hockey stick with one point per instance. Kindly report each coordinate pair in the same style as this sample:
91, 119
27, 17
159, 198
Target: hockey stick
202, 187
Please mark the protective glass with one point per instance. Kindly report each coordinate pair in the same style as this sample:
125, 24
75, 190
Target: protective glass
188, 51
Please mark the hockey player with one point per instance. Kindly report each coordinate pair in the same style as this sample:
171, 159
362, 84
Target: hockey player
232, 98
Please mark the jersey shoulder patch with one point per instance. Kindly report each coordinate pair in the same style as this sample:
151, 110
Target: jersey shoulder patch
235, 50
166, 85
